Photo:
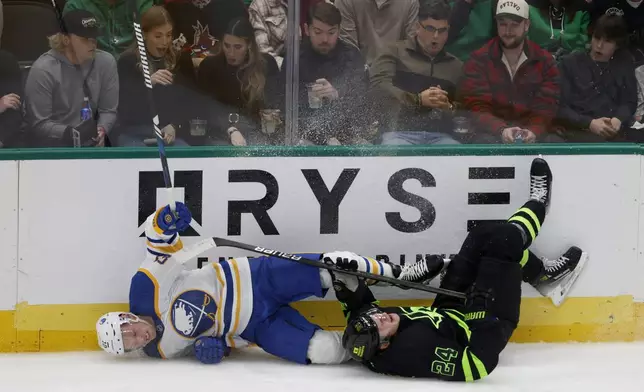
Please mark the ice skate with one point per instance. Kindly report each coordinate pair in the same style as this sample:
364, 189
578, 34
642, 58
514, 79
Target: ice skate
424, 270
540, 181
560, 274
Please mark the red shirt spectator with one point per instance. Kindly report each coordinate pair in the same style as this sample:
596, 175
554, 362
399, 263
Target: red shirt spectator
511, 85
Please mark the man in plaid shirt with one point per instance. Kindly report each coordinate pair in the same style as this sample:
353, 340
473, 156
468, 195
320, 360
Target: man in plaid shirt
269, 19
511, 85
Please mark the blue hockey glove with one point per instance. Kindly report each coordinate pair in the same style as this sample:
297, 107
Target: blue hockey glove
173, 222
211, 350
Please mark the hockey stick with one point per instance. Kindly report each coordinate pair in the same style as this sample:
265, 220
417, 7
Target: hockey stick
147, 79
318, 264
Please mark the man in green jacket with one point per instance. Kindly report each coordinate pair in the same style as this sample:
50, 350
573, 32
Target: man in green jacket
471, 26
115, 17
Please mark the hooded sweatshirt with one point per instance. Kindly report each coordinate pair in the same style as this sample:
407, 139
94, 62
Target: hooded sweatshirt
54, 93
561, 37
115, 17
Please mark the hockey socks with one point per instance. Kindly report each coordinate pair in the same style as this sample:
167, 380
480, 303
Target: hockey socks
533, 268
529, 219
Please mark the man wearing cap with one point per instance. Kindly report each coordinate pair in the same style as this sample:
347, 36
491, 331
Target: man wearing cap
511, 85
72, 90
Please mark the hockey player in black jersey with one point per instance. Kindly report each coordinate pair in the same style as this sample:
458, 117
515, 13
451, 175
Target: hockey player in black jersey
454, 339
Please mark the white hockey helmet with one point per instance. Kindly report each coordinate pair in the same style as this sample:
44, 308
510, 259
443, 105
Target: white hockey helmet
108, 330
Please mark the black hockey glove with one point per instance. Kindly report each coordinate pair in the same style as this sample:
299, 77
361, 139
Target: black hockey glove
477, 303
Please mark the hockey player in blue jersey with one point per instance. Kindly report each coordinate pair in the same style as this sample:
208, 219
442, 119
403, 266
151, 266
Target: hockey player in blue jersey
177, 312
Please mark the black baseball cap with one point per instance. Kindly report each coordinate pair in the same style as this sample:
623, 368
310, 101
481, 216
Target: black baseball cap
81, 23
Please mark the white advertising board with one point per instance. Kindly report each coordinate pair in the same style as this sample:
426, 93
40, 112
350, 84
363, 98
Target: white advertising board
8, 233
80, 221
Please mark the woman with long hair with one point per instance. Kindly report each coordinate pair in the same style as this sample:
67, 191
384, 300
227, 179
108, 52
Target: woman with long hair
172, 75
559, 26
243, 80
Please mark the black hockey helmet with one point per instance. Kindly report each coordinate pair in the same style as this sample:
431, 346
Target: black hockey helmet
361, 338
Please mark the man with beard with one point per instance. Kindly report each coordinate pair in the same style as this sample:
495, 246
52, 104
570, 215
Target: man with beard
511, 85
333, 71
416, 81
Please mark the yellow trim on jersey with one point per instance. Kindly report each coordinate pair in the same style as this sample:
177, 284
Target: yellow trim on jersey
155, 226
222, 285
235, 269
166, 248
375, 268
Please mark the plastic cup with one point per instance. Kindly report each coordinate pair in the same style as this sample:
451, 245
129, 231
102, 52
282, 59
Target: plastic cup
461, 124
315, 102
198, 127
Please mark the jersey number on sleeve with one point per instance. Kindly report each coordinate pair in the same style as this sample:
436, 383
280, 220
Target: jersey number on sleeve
444, 367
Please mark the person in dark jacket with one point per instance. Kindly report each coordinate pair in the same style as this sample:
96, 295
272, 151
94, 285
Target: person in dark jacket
11, 95
511, 85
416, 80
242, 79
171, 72
334, 71
599, 88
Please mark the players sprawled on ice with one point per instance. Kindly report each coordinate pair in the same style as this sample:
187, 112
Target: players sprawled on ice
454, 339
206, 312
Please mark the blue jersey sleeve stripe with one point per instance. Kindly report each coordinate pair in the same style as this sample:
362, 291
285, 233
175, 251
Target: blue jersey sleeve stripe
228, 306
368, 264
382, 268
155, 240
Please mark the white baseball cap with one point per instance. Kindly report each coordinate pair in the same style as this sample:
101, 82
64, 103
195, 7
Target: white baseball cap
517, 8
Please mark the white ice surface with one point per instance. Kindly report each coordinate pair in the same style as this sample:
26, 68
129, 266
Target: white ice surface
523, 367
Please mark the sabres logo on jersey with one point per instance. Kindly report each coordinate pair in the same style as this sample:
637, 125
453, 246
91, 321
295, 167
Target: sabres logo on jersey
193, 313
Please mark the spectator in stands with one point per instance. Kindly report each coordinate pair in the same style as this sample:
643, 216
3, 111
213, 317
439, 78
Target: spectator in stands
471, 26
511, 85
416, 81
10, 99
336, 72
639, 74
241, 78
633, 13
200, 24
598, 88
371, 25
72, 90
171, 72
269, 19
559, 26
115, 18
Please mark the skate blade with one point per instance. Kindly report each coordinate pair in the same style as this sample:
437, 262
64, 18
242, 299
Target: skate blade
559, 291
